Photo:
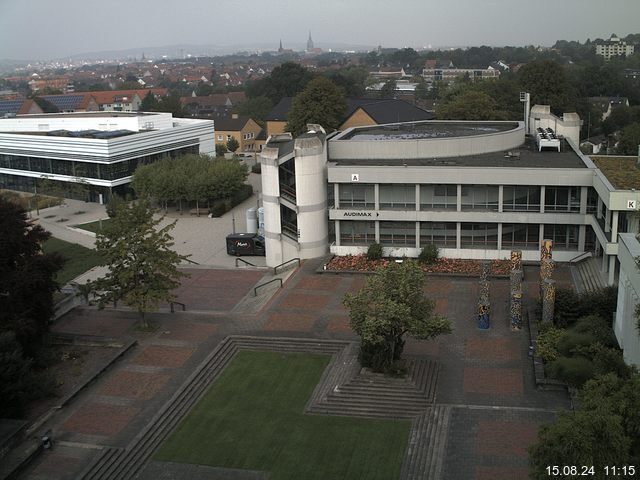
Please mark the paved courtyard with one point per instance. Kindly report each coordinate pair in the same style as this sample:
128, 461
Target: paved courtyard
485, 382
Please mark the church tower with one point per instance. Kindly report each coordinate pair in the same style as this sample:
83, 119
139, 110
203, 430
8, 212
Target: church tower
309, 43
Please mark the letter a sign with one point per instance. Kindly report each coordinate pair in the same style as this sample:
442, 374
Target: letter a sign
355, 177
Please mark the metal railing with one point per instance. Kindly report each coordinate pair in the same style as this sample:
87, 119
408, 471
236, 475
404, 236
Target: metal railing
275, 269
255, 290
238, 259
580, 257
171, 304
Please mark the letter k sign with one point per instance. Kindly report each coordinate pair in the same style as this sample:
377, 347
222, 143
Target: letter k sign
631, 204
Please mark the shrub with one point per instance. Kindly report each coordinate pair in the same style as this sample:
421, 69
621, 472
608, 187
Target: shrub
602, 303
574, 371
374, 252
575, 343
598, 327
609, 360
567, 307
222, 206
429, 254
547, 343
256, 168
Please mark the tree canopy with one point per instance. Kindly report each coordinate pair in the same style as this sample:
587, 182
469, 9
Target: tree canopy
321, 102
286, 80
548, 84
26, 277
142, 265
390, 305
189, 178
629, 140
471, 105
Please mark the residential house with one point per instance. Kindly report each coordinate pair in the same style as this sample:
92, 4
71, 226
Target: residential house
244, 129
18, 106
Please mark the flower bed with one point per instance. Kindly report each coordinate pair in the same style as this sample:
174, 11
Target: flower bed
359, 263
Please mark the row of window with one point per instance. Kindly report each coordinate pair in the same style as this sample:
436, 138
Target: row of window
108, 171
444, 234
473, 197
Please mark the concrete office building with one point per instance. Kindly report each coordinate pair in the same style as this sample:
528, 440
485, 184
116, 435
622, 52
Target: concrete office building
625, 324
98, 149
474, 189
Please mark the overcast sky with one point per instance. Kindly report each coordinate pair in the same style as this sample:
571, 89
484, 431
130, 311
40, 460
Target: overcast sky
45, 29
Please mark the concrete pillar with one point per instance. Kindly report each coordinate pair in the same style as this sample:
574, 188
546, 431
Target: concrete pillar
458, 233
500, 202
599, 208
499, 236
542, 196
612, 270
311, 196
584, 192
582, 236
459, 199
607, 221
605, 258
376, 195
336, 195
417, 234
540, 236
417, 197
337, 230
377, 231
614, 226
270, 202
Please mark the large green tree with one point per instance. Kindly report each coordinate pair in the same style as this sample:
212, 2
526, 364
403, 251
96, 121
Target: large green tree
629, 140
548, 84
142, 266
286, 80
471, 105
321, 102
592, 438
392, 304
256, 108
26, 277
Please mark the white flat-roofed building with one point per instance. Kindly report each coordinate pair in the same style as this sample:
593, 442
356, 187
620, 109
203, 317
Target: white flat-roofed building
98, 149
614, 47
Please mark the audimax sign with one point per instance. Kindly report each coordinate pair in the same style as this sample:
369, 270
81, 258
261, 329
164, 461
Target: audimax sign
360, 214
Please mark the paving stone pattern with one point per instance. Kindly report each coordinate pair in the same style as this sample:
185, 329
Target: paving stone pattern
474, 423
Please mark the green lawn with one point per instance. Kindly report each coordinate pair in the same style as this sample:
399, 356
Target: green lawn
94, 226
79, 258
252, 418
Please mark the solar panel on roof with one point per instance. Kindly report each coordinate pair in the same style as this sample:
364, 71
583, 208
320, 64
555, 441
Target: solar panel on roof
64, 103
10, 106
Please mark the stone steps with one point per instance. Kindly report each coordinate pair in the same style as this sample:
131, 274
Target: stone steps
116, 464
590, 275
427, 443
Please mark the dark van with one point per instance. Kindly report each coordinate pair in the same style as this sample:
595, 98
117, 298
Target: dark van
245, 244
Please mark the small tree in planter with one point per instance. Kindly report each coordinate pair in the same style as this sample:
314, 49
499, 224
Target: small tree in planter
429, 254
391, 304
374, 252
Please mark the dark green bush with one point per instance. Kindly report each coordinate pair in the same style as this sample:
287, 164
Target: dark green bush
571, 306
429, 254
547, 343
374, 252
220, 207
567, 307
610, 360
598, 327
574, 371
572, 343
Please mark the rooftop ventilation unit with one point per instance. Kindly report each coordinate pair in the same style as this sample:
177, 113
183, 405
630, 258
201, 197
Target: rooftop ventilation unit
546, 138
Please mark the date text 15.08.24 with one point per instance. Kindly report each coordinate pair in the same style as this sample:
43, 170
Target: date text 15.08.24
621, 471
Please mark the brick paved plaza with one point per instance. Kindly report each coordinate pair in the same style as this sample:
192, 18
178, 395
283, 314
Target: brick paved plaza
485, 376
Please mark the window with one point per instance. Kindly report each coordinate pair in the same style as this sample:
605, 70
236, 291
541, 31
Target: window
479, 235
565, 237
220, 138
228, 137
520, 235
357, 233
356, 196
440, 234
398, 197
480, 197
521, 198
398, 234
438, 197
562, 199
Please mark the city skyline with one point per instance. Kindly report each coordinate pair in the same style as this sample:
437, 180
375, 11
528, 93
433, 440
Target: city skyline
80, 28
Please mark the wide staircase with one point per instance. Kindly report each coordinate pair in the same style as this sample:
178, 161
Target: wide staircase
589, 274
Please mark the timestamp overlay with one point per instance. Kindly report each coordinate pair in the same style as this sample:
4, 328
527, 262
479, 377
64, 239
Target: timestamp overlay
578, 471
